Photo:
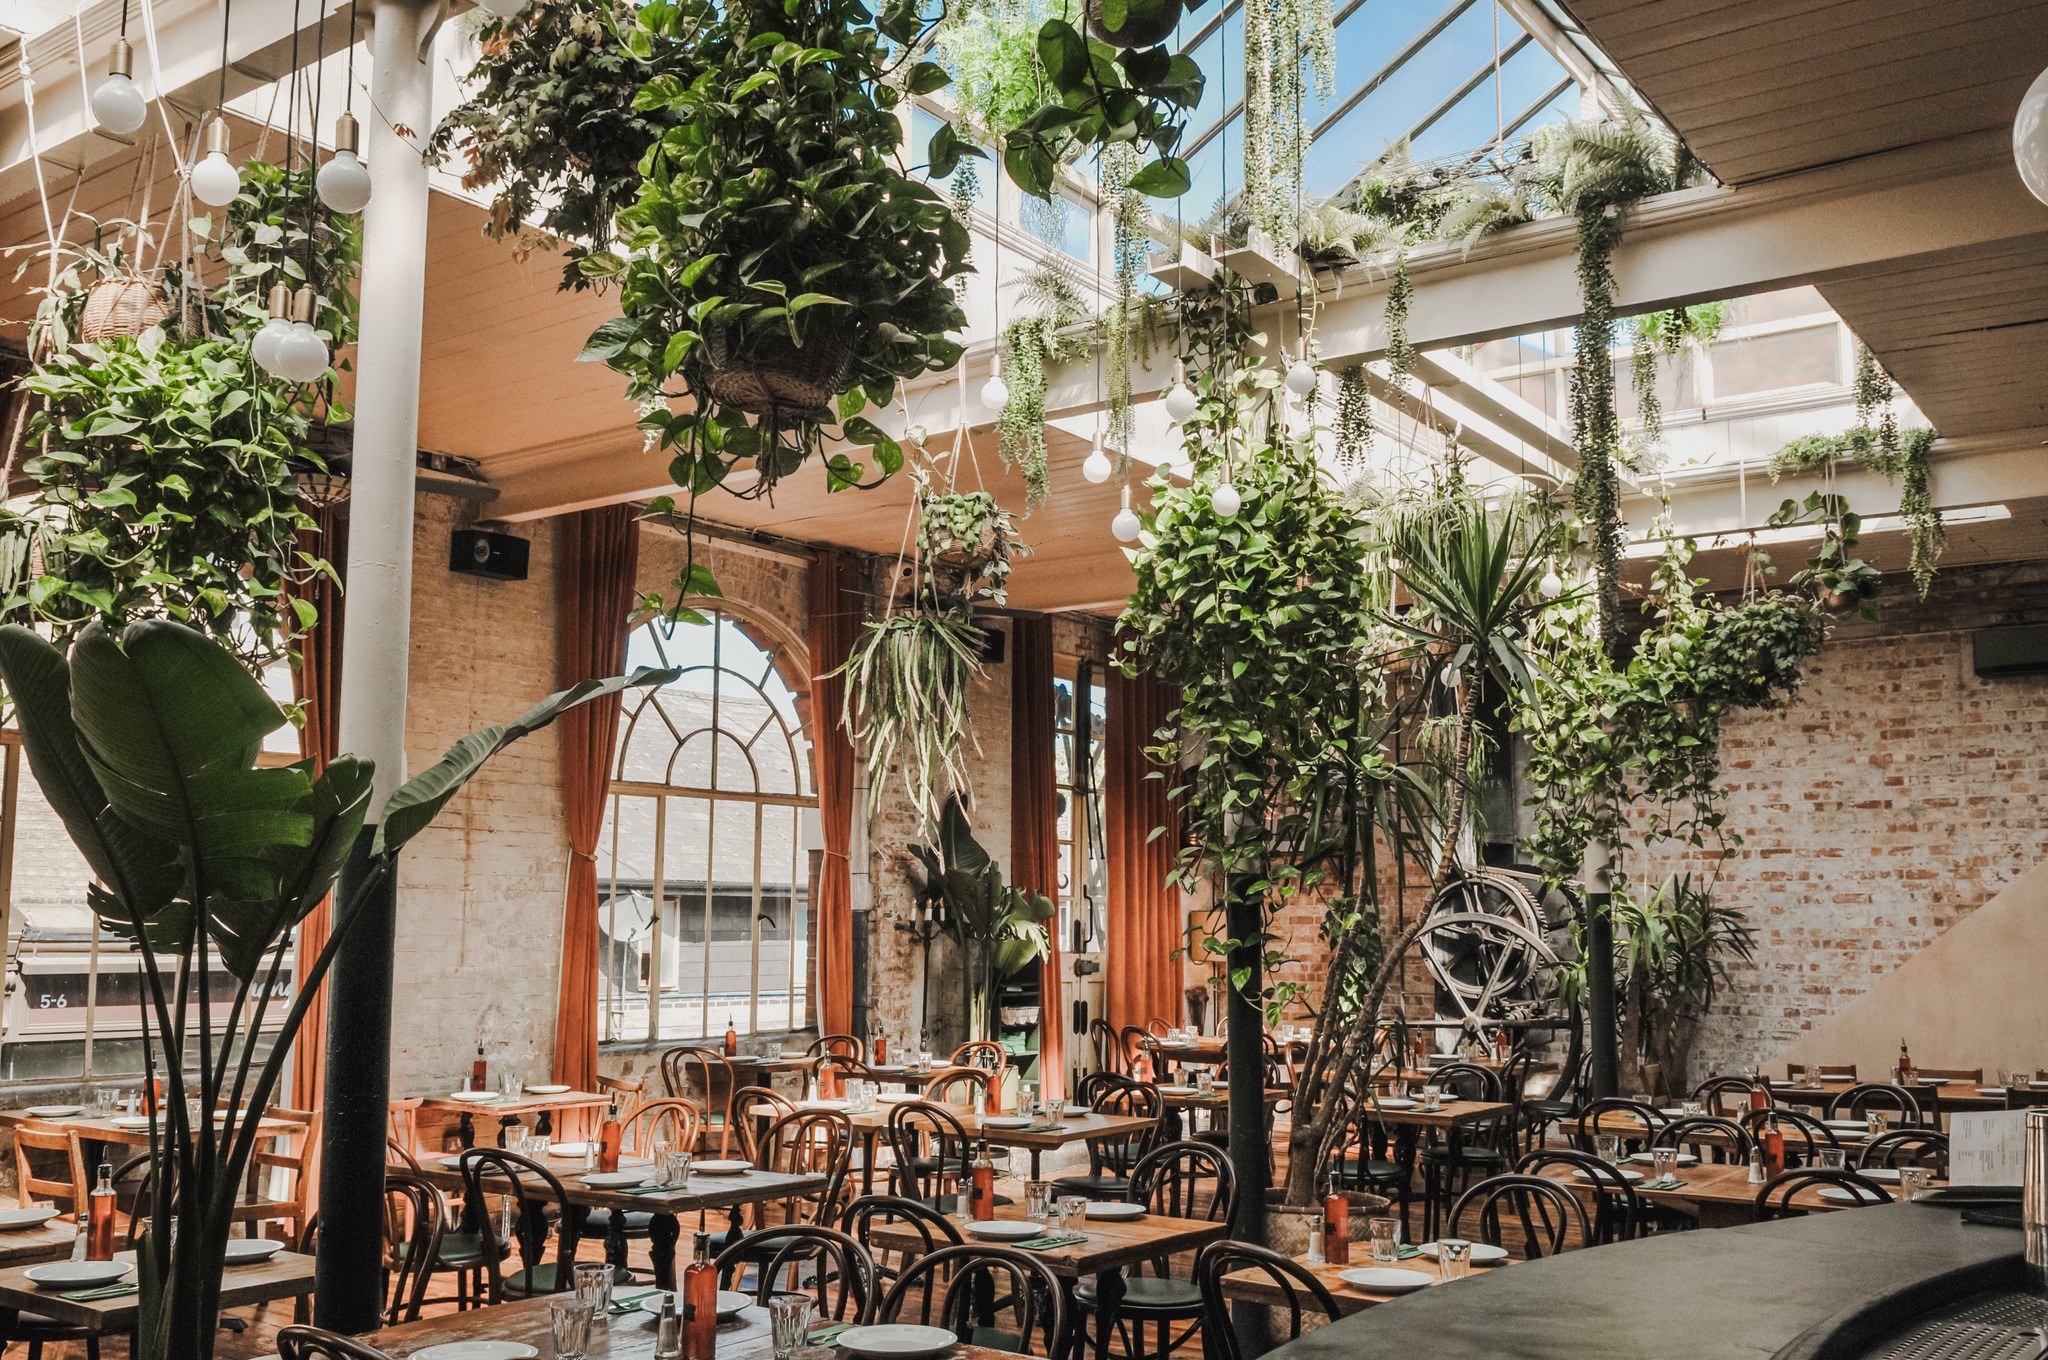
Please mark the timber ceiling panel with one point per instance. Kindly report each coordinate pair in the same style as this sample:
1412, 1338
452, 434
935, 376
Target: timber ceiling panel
1765, 87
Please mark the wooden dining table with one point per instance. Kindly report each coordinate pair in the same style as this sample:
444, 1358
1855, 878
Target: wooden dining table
1215, 1103
1719, 1194
1038, 1138
287, 1275
1110, 1248
52, 1241
1936, 1095
543, 1107
1256, 1286
101, 1128
703, 1194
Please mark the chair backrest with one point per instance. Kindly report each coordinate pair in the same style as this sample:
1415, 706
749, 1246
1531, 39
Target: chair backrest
1804, 1135
1858, 1101
839, 1045
404, 1119
809, 1143
1132, 1039
803, 1258
754, 1108
57, 1180
1303, 1295
966, 1288
1774, 1200
672, 1120
1907, 1147
1706, 1137
1546, 1211
983, 1053
1279, 1061
703, 1076
956, 1085
1725, 1097
1134, 1100
930, 1148
1618, 1213
1973, 1075
1185, 1180
1635, 1121
1820, 1071
932, 1228
415, 1216
297, 1160
1467, 1081
1091, 1087
627, 1087
1158, 1028
530, 1189
1108, 1050
311, 1343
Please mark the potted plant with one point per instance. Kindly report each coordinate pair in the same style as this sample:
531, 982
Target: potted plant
145, 744
999, 929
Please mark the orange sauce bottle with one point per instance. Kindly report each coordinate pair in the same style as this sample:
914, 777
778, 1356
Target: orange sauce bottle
981, 1195
103, 1209
700, 1304
608, 1136
732, 1039
1774, 1149
1336, 1225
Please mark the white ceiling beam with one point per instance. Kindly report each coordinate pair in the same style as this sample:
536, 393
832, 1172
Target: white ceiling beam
1445, 372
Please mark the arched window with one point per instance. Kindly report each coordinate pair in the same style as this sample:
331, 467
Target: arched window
706, 862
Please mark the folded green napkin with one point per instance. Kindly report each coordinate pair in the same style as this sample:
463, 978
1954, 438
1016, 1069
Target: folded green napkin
1668, 1183
630, 1303
653, 1190
1054, 1127
1410, 1253
1050, 1243
109, 1291
827, 1336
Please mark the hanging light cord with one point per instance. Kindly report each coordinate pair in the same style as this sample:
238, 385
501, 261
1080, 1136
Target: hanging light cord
313, 143
291, 102
220, 99
349, 98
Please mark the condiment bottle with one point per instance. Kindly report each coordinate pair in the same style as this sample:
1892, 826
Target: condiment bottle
1774, 1147
700, 1303
1337, 1225
608, 1138
479, 1072
105, 1204
668, 1331
732, 1039
981, 1197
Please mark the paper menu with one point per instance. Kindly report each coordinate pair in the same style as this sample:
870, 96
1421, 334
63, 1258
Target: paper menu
1987, 1148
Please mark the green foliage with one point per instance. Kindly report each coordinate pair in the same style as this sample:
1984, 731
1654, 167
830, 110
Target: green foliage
1835, 575
966, 542
772, 226
907, 683
1354, 419
1000, 929
1664, 335
553, 129
1097, 96
147, 748
991, 47
1286, 42
1050, 308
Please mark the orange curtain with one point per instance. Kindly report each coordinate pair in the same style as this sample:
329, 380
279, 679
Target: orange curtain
1142, 977
1034, 823
597, 553
316, 683
837, 607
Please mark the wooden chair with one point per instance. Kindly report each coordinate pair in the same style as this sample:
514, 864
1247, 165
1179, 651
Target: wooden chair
311, 1343
966, 1289
1306, 1295
674, 1121
1858, 1101
1107, 1048
825, 1263
67, 1184
1618, 1213
1804, 1135
1178, 1180
702, 1075
1547, 1212
404, 1129
754, 1108
839, 1045
808, 1143
1618, 1111
1974, 1076
957, 1085
934, 1230
629, 1089
1707, 1137
1111, 1160
1774, 1199
296, 1164
929, 1151
416, 1215
1820, 1071
529, 1236
1907, 1147
1727, 1097
983, 1053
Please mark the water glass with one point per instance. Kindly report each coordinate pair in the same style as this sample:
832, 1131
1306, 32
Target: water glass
657, 1153
1038, 1201
2016, 1081
1055, 1110
1875, 1122
1027, 1098
1432, 1097
1829, 1159
1664, 1164
1607, 1147
515, 1087
1384, 1232
1691, 1109
1398, 1088
1913, 1181
1205, 1082
789, 1318
593, 1285
570, 1319
1073, 1211
675, 1169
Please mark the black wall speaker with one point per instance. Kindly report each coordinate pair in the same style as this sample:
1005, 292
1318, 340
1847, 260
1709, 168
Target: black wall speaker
2021, 649
473, 552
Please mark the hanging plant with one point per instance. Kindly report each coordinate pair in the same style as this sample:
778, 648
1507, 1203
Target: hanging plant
1664, 335
1354, 419
1130, 246
967, 542
1042, 335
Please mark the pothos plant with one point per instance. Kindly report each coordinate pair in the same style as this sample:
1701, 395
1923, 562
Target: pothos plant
1046, 331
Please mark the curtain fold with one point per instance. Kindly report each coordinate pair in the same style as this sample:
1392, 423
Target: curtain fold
1142, 978
316, 683
1034, 823
837, 606
597, 553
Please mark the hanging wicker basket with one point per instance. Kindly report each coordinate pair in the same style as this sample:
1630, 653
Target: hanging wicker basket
796, 382
121, 307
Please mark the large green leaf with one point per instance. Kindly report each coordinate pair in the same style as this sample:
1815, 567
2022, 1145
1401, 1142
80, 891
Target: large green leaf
172, 726
141, 871
420, 799
247, 931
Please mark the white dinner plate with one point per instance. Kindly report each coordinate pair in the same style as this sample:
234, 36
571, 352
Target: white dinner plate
2037, 1085
1631, 1176
20, 1220
897, 1097
1114, 1210
249, 1251
1483, 1254
821, 1104
612, 1180
1005, 1230
1846, 1123
1935, 1081
1884, 1175
1396, 1103
477, 1350
1008, 1121
720, 1168
1990, 1090
1078, 1111
1675, 1112
1842, 1194
472, 1097
731, 1304
1386, 1279
566, 1149
77, 1274
1684, 1158
896, 1339
131, 1121
1176, 1090
54, 1111
549, 1090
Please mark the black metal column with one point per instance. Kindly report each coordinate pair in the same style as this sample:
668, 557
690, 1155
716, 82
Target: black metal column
1603, 1016
1246, 1051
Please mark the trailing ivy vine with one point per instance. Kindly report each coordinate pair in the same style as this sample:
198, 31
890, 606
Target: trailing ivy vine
1042, 335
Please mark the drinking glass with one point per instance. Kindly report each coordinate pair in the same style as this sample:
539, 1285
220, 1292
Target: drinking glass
2016, 1081
1453, 1257
515, 1087
657, 1153
1691, 1109
1038, 1200
1664, 1164
593, 1285
789, 1318
1073, 1215
570, 1319
1027, 1098
1055, 1109
675, 1171
1398, 1089
1384, 1232
1607, 1147
1876, 1122
1432, 1097
1829, 1159
1913, 1181
1205, 1082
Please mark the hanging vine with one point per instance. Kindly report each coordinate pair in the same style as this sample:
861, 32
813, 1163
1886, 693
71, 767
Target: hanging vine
1040, 336
1354, 419
1129, 246
1664, 335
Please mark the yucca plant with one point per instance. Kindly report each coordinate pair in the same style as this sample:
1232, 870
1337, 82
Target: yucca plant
906, 699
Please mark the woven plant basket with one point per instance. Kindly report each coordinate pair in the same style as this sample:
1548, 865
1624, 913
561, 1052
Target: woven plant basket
121, 308
1287, 1229
799, 382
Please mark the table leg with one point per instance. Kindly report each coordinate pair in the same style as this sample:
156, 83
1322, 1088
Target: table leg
1034, 1165
1109, 1298
663, 1232
544, 1124
614, 1234
867, 1161
465, 1131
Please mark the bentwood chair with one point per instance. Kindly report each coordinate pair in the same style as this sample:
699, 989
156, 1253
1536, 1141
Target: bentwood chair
929, 1149
1176, 1180
838, 1046
1820, 1071
906, 1216
1635, 1121
1134, 1040
1480, 1149
1804, 1135
1774, 1199
1728, 1097
986, 1054
1906, 1147
672, 1121
1547, 1213
311, 1343
956, 1085
968, 1289
531, 1190
1707, 1137
416, 1217
808, 1143
1307, 1298
1971, 1076
704, 1077
1111, 1160
64, 1181
1105, 1046
1618, 1212
754, 1108
1858, 1101
804, 1258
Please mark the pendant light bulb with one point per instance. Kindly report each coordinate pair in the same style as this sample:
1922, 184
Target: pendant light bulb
1096, 467
2030, 138
1301, 375
344, 183
215, 180
1225, 500
117, 106
1452, 676
1180, 398
301, 353
995, 393
1126, 526
263, 346
1552, 585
